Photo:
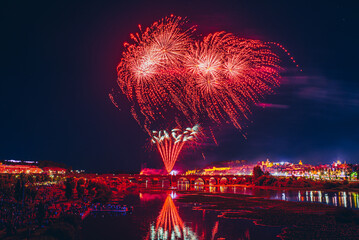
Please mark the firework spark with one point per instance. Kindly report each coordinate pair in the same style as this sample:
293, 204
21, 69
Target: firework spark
170, 144
110, 95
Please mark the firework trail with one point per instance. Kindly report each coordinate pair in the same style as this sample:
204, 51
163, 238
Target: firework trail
110, 95
170, 144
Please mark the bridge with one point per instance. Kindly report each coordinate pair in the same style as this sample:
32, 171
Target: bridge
172, 180
189, 179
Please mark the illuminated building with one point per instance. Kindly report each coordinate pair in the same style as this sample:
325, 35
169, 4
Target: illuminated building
54, 170
13, 169
214, 169
335, 171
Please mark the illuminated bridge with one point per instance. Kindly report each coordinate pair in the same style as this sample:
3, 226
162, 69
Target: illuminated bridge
188, 179
173, 180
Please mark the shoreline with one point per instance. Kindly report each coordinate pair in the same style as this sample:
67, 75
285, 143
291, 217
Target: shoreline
323, 221
335, 189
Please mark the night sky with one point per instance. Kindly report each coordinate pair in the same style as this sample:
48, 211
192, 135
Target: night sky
59, 63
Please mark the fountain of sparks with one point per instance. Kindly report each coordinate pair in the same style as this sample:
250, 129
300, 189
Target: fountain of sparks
170, 144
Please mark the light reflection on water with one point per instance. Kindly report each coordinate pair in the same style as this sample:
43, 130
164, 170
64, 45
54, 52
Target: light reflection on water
169, 224
159, 216
347, 199
202, 224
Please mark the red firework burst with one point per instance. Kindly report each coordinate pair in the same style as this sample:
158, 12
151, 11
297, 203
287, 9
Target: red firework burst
150, 71
169, 76
227, 74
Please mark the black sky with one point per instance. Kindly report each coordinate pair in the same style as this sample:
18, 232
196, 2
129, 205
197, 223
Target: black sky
59, 64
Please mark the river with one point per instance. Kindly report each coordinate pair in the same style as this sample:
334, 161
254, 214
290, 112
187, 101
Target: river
158, 215
346, 199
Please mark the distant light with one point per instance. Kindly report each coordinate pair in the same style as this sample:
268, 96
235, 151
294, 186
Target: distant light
173, 195
12, 160
174, 172
29, 161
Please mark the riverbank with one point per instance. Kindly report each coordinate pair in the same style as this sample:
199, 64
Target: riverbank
299, 220
335, 189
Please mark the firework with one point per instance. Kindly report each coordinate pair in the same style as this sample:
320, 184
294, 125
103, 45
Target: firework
169, 224
174, 79
168, 75
150, 71
110, 95
170, 144
227, 75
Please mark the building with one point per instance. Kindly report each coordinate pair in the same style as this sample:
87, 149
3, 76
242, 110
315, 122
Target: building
16, 169
54, 170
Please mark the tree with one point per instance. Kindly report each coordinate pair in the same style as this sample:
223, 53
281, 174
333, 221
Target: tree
31, 193
103, 194
19, 188
41, 213
257, 172
91, 188
80, 187
69, 188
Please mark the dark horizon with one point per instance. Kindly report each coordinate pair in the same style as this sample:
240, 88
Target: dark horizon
59, 65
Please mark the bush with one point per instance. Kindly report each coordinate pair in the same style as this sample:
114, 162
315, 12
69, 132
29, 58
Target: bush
265, 180
103, 194
270, 181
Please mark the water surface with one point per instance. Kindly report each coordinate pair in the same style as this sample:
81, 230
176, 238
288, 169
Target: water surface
346, 199
160, 216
